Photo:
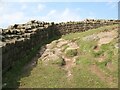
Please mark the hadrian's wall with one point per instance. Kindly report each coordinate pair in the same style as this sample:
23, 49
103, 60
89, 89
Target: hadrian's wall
19, 39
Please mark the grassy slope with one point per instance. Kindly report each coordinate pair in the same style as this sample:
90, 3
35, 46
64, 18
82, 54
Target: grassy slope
87, 58
52, 76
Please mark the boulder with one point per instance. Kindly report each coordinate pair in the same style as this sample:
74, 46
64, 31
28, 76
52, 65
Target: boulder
27, 27
1, 30
62, 42
20, 26
28, 31
22, 31
15, 31
15, 26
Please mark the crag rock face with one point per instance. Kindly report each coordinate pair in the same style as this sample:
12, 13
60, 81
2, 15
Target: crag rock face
17, 40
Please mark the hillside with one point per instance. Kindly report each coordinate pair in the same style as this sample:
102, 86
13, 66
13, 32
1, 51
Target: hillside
77, 60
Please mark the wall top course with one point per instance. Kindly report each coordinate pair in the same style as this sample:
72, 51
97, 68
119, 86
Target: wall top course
17, 31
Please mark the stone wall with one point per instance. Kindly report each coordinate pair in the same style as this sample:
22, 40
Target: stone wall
19, 39
72, 27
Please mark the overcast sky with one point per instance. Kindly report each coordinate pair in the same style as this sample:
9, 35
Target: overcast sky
21, 12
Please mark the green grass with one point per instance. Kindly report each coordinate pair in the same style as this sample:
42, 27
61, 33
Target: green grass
83, 78
50, 76
56, 62
98, 54
71, 52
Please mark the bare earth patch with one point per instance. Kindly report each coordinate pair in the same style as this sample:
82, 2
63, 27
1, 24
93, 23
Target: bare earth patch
101, 58
108, 79
70, 63
110, 66
102, 37
106, 37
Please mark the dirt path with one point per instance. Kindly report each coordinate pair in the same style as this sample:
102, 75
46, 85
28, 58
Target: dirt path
108, 79
68, 66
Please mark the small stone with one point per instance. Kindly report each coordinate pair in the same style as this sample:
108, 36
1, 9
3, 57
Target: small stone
117, 45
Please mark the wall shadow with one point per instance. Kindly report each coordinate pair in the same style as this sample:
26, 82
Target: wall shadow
10, 79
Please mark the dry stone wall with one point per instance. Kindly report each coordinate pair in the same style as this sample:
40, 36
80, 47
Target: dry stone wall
19, 39
72, 27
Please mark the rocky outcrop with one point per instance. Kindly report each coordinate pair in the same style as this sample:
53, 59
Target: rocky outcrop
17, 40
